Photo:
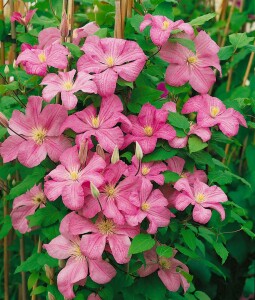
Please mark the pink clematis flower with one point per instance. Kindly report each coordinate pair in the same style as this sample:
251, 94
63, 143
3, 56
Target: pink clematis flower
202, 196
63, 83
211, 112
16, 16
103, 232
187, 66
94, 296
109, 58
161, 28
149, 126
114, 195
150, 171
35, 134
162, 87
26, 205
78, 266
52, 35
169, 270
202, 132
68, 177
176, 164
37, 60
150, 204
102, 125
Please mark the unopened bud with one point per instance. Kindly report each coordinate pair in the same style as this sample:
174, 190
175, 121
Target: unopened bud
15, 66
13, 182
61, 263
94, 190
64, 30
100, 151
83, 152
95, 9
115, 155
50, 296
4, 121
49, 272
9, 177
6, 70
138, 151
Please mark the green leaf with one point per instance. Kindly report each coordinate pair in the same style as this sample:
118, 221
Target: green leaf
27, 183
164, 9
135, 22
102, 33
44, 216
142, 242
201, 20
203, 158
201, 295
171, 176
27, 38
189, 238
239, 40
187, 252
221, 251
74, 49
196, 144
159, 154
38, 290
6, 227
226, 52
220, 177
122, 82
8, 87
32, 279
178, 120
184, 42
186, 275
248, 231
144, 94
164, 251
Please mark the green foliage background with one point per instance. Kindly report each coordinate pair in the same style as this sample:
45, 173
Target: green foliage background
220, 256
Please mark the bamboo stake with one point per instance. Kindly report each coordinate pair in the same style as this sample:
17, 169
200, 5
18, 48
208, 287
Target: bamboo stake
248, 69
12, 54
23, 274
123, 7
39, 250
70, 17
6, 255
2, 52
228, 23
130, 4
117, 26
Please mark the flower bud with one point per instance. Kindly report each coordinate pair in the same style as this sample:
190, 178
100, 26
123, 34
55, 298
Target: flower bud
61, 263
9, 177
138, 151
115, 155
95, 10
94, 190
13, 182
15, 66
49, 272
64, 30
50, 296
100, 151
83, 152
6, 69
4, 121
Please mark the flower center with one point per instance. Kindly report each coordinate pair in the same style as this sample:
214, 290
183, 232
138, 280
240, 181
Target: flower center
95, 122
68, 85
74, 175
148, 130
214, 111
164, 263
192, 59
145, 170
76, 251
39, 198
110, 61
38, 135
165, 25
200, 198
106, 227
145, 206
42, 57
110, 191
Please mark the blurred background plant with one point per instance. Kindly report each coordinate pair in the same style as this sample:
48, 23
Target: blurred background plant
221, 257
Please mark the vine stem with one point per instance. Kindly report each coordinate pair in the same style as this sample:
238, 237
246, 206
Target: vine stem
23, 274
39, 250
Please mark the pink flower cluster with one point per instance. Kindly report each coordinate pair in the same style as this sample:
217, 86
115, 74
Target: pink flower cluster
110, 201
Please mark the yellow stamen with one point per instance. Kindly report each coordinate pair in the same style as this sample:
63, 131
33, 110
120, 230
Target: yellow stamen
42, 57
148, 130
38, 135
214, 111
200, 198
145, 170
164, 263
192, 59
110, 191
145, 206
68, 85
165, 25
106, 227
39, 198
95, 122
110, 61
74, 175
76, 251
